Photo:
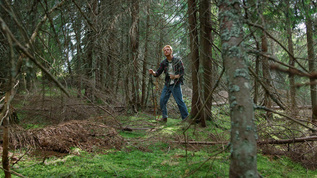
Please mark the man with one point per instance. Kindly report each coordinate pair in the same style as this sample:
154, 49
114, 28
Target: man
174, 76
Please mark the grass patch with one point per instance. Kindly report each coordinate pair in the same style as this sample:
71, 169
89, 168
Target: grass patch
134, 163
134, 134
269, 166
159, 163
33, 126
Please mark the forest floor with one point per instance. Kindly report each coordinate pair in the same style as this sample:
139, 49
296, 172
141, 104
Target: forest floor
125, 145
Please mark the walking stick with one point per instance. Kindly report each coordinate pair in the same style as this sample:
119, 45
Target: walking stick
153, 97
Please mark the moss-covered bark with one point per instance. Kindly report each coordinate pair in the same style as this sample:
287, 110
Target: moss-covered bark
243, 130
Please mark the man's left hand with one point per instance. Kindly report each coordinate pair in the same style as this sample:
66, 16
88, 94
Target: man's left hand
174, 76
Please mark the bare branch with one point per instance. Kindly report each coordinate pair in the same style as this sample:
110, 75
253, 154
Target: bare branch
12, 172
42, 22
89, 22
294, 71
274, 39
266, 89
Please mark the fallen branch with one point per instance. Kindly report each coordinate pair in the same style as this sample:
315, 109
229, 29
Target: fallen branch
262, 142
289, 118
201, 142
15, 162
131, 129
285, 141
293, 71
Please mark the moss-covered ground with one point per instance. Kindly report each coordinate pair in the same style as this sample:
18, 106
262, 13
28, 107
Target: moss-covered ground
154, 152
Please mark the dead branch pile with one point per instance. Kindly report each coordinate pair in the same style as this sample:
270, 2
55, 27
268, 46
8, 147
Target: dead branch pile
85, 135
53, 111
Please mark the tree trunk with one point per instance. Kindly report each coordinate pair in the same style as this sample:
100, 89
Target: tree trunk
243, 131
206, 56
311, 63
293, 108
251, 15
144, 69
5, 112
196, 103
90, 62
266, 75
5, 152
111, 46
256, 83
79, 61
128, 72
134, 36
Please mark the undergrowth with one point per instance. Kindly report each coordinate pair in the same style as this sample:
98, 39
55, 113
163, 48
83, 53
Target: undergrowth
150, 153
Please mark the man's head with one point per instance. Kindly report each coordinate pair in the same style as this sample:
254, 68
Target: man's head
168, 50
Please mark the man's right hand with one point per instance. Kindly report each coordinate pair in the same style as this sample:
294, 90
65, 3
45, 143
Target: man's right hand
151, 72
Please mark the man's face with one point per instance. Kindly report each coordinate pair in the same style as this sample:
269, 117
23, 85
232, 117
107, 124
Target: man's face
167, 51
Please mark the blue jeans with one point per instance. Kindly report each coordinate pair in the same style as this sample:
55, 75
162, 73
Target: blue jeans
178, 96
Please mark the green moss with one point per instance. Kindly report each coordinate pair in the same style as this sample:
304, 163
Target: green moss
234, 51
234, 88
233, 104
232, 98
242, 73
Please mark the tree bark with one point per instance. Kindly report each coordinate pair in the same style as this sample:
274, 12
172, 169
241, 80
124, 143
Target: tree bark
144, 69
206, 57
311, 63
293, 108
134, 37
90, 61
266, 75
5, 152
193, 32
5, 112
243, 131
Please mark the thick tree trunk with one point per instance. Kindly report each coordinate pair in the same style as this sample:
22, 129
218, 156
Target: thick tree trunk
5, 112
206, 56
243, 131
193, 32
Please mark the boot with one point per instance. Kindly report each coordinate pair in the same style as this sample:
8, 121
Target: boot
162, 120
